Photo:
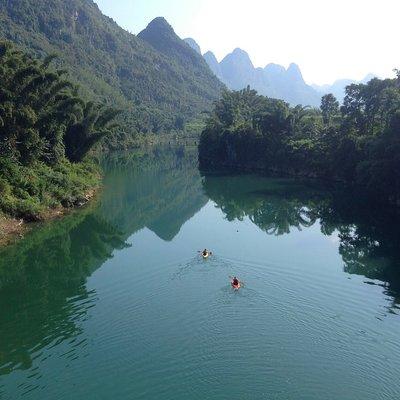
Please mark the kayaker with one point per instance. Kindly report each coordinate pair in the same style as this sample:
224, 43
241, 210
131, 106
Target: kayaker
205, 253
235, 283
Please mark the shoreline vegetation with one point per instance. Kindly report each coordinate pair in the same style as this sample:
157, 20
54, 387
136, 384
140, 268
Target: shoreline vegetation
47, 132
12, 229
50, 140
86, 189
356, 144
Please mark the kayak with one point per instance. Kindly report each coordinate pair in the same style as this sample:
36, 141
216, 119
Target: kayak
236, 287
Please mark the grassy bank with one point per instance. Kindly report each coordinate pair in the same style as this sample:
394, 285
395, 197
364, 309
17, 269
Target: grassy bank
40, 192
30, 192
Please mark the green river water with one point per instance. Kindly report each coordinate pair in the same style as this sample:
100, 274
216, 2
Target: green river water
114, 302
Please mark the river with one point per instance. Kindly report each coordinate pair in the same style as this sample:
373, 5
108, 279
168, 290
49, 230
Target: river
114, 302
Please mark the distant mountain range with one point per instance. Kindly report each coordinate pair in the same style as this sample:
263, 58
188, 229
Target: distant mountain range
159, 80
237, 71
339, 86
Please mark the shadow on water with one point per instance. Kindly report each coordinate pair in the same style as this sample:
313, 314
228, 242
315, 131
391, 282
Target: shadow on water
369, 239
43, 295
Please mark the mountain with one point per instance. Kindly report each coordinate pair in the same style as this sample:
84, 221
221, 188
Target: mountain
192, 43
154, 77
338, 87
213, 63
293, 73
237, 71
368, 77
201, 82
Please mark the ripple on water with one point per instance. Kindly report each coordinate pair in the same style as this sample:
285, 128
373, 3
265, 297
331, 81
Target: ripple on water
177, 327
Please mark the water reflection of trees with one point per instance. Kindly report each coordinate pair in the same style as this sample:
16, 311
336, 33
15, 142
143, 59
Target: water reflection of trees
369, 239
277, 217
43, 295
273, 205
42, 285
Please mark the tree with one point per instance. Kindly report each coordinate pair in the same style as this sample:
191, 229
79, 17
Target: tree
329, 108
92, 124
358, 144
42, 117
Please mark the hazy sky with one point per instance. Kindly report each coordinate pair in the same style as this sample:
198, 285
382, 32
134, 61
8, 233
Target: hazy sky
329, 39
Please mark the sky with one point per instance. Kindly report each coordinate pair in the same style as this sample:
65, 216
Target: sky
328, 39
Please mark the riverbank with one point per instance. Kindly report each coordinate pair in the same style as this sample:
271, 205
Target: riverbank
10, 229
37, 193
356, 145
13, 229
47, 132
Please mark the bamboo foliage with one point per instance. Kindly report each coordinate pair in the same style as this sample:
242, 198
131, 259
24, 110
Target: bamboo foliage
42, 117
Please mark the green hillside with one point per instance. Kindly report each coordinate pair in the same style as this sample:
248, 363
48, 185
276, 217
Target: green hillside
158, 90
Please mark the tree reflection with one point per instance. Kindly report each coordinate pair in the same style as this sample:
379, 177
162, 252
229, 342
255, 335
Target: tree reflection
275, 206
369, 240
277, 217
42, 284
43, 294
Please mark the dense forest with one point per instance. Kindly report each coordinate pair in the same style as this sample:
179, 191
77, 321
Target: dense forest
68, 74
46, 130
158, 91
357, 143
